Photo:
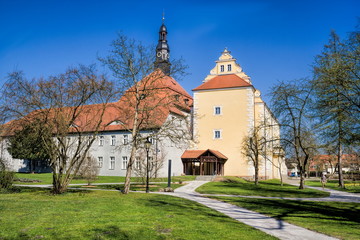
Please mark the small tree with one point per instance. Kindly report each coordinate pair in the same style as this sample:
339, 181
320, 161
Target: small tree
253, 148
279, 161
89, 170
156, 158
291, 106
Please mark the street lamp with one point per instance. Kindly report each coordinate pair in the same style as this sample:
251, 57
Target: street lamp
147, 147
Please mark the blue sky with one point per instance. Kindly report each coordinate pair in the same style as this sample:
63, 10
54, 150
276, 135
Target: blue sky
271, 40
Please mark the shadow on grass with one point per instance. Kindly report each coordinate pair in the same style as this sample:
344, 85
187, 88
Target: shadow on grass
184, 207
264, 188
283, 209
112, 232
38, 190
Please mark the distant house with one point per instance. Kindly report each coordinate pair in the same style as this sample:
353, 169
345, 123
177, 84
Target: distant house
329, 164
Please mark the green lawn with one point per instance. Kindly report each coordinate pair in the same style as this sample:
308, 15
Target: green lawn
46, 178
350, 186
340, 220
133, 187
268, 188
36, 214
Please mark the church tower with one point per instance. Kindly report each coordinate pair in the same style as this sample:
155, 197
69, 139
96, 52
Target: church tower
163, 51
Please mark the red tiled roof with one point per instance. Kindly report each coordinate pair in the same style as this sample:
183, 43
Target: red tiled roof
223, 81
192, 154
163, 95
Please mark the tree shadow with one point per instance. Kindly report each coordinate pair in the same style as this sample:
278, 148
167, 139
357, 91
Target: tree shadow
302, 209
179, 206
109, 232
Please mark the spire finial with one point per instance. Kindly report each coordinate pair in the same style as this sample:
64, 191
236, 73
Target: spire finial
163, 16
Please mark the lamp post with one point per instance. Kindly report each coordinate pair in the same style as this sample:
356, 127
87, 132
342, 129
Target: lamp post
147, 147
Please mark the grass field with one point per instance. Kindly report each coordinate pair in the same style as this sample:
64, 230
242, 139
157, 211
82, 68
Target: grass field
36, 214
153, 187
350, 186
268, 188
340, 220
46, 178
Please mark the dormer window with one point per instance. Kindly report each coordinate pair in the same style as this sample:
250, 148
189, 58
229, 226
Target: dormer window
186, 101
222, 68
116, 122
229, 67
176, 96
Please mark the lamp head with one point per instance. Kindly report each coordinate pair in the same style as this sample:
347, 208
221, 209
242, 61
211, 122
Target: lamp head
148, 143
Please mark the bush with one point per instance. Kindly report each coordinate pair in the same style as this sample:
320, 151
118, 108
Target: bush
6, 177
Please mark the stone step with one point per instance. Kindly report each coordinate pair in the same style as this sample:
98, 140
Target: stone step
205, 178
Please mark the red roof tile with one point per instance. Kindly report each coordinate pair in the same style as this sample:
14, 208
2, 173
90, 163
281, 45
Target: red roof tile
163, 95
223, 81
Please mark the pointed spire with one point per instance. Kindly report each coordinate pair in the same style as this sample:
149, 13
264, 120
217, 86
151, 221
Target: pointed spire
163, 50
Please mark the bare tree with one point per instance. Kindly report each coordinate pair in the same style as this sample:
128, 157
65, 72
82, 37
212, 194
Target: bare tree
150, 95
279, 161
290, 103
253, 147
69, 106
156, 163
89, 169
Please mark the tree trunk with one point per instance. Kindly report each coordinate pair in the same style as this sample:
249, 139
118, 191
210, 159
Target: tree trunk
341, 178
129, 170
256, 175
59, 186
302, 178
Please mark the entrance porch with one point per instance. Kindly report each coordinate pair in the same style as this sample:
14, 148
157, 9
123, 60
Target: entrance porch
203, 162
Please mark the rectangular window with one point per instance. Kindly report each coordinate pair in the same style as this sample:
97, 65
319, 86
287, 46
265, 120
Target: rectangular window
113, 140
101, 141
125, 139
222, 68
229, 67
217, 110
112, 163
217, 134
137, 164
124, 162
100, 162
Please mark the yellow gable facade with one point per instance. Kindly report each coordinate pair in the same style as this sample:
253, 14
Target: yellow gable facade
226, 109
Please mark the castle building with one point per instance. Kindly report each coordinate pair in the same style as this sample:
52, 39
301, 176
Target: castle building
225, 108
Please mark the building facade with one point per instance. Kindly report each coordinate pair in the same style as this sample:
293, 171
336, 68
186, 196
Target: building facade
224, 109
227, 107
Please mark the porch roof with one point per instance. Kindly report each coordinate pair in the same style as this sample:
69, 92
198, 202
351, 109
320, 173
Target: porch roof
195, 154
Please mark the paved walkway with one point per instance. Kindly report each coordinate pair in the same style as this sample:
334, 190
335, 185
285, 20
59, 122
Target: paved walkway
274, 227
335, 196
